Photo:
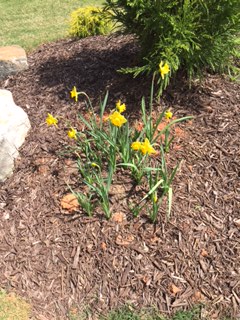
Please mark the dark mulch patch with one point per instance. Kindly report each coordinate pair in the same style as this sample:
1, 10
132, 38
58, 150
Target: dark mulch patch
60, 261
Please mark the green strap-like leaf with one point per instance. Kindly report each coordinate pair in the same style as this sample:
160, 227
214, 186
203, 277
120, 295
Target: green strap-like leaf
152, 190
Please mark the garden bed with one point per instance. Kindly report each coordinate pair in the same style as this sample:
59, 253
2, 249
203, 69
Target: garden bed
60, 260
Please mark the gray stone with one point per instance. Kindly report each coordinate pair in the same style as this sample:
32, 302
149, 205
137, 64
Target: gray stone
12, 60
14, 125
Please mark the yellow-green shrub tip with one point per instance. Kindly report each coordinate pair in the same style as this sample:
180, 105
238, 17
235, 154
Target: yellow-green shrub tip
90, 21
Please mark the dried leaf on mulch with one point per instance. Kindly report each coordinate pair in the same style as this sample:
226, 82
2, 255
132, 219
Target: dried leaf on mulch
118, 217
174, 289
70, 202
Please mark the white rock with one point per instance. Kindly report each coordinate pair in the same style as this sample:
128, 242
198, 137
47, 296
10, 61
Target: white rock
14, 125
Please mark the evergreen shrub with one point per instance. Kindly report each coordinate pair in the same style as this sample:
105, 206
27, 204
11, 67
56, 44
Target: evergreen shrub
89, 21
188, 34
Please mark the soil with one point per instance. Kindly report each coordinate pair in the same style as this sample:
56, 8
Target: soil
60, 260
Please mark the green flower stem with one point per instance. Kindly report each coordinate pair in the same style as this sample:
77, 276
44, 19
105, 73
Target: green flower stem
113, 148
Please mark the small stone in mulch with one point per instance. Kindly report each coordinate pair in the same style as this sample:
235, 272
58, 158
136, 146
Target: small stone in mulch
12, 60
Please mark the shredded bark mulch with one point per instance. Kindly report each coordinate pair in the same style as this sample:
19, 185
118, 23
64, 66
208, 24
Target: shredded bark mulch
61, 261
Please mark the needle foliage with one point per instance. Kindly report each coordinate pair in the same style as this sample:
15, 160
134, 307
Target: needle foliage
193, 35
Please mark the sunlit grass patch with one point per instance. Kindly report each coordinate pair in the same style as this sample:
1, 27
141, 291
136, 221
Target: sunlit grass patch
13, 307
31, 23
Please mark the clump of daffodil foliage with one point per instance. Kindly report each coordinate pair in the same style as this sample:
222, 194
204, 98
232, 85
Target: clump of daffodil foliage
89, 21
109, 143
193, 35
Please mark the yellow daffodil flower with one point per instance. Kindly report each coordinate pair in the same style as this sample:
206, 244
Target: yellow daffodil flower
168, 114
163, 69
117, 119
74, 93
121, 107
72, 133
147, 148
136, 145
51, 120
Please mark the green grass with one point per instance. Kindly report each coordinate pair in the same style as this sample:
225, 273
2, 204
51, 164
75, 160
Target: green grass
128, 313
29, 23
13, 308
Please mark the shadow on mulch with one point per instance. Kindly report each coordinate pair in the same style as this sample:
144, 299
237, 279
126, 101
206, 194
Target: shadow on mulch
59, 261
91, 65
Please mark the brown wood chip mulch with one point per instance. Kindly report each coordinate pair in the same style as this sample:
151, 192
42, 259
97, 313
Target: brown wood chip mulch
60, 261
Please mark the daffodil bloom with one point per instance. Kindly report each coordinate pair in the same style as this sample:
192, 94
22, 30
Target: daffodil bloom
163, 69
72, 133
168, 114
121, 107
51, 120
136, 145
117, 119
74, 93
147, 148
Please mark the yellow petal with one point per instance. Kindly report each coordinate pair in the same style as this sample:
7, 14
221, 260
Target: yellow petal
146, 148
117, 119
51, 120
74, 93
168, 114
72, 134
121, 107
163, 69
136, 145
